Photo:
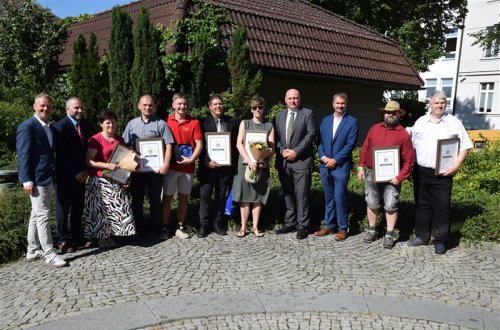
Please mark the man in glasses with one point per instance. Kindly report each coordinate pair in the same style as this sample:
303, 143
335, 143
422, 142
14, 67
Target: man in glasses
389, 133
338, 134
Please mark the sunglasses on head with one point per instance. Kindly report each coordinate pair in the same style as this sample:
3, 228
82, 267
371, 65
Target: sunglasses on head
259, 107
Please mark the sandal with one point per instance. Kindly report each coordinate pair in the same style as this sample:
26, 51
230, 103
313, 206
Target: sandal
242, 233
257, 233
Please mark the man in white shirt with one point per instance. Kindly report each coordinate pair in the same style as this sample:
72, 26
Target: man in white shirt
433, 192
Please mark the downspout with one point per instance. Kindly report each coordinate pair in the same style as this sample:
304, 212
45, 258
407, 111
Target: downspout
462, 31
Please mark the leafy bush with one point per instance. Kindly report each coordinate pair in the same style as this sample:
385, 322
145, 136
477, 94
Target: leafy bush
485, 226
11, 115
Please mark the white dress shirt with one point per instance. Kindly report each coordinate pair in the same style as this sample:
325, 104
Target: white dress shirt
426, 133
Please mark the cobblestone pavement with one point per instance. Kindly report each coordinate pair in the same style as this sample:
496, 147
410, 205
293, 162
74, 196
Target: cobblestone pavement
33, 293
300, 320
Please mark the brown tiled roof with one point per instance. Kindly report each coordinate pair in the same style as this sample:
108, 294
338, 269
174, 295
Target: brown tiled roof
287, 35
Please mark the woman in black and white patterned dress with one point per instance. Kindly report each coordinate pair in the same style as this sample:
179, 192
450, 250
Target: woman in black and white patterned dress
108, 210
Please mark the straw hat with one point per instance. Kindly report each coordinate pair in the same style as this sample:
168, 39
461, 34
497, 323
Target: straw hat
393, 106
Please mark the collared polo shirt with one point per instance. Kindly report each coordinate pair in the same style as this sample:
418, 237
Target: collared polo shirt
185, 131
137, 128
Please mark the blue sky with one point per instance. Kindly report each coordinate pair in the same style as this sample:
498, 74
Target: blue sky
64, 8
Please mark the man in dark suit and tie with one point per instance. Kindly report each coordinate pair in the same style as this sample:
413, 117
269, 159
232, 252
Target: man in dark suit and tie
72, 134
295, 129
338, 134
35, 142
215, 179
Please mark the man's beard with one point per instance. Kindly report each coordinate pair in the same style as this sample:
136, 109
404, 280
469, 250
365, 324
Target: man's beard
391, 122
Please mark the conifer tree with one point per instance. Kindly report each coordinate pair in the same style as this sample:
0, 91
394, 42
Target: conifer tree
146, 75
244, 80
120, 64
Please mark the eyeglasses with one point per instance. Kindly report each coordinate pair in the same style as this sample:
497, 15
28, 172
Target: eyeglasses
259, 107
394, 113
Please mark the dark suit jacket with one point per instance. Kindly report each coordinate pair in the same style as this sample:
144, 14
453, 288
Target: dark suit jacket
208, 125
35, 156
303, 136
70, 151
341, 145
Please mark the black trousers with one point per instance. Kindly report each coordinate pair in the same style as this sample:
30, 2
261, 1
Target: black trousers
433, 202
212, 212
153, 183
70, 199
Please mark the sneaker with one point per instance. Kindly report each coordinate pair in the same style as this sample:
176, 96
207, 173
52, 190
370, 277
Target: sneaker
38, 254
416, 242
182, 233
164, 234
55, 261
388, 242
369, 236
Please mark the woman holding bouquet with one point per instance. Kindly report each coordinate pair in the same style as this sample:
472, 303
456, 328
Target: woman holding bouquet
107, 208
251, 190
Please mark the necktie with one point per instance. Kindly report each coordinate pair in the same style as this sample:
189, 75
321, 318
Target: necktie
219, 126
289, 129
79, 130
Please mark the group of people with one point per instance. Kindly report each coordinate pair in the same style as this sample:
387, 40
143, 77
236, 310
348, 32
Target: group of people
69, 156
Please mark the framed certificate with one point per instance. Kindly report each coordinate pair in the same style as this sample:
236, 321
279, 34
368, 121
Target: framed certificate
152, 153
386, 163
447, 154
219, 147
119, 175
254, 136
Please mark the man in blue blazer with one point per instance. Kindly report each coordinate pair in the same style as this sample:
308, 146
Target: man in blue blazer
295, 129
72, 134
338, 134
35, 142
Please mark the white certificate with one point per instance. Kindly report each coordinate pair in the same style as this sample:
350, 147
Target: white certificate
385, 163
219, 147
447, 154
152, 154
254, 136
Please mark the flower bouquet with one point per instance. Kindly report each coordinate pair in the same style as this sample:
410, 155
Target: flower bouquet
260, 152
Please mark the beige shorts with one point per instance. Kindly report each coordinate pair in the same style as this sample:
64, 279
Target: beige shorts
177, 181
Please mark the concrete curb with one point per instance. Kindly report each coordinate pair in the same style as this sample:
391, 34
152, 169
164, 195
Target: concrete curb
165, 310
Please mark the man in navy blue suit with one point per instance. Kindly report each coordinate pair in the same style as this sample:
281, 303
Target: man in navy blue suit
35, 142
338, 134
72, 134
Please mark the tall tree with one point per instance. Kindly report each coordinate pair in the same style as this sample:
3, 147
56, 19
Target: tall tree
85, 78
120, 64
146, 75
419, 26
31, 40
488, 38
245, 80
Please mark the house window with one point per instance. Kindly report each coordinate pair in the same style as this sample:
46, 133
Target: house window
494, 50
450, 47
486, 97
446, 86
430, 84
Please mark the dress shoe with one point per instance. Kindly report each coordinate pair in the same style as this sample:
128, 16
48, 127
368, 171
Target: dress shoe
323, 232
416, 242
202, 232
285, 230
341, 235
220, 231
440, 248
302, 234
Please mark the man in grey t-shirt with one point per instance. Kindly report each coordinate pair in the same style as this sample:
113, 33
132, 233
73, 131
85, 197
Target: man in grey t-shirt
148, 126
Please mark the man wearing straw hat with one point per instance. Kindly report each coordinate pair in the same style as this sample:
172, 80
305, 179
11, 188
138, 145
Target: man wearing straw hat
389, 133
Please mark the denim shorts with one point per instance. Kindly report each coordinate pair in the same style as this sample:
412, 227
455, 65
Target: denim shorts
373, 191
